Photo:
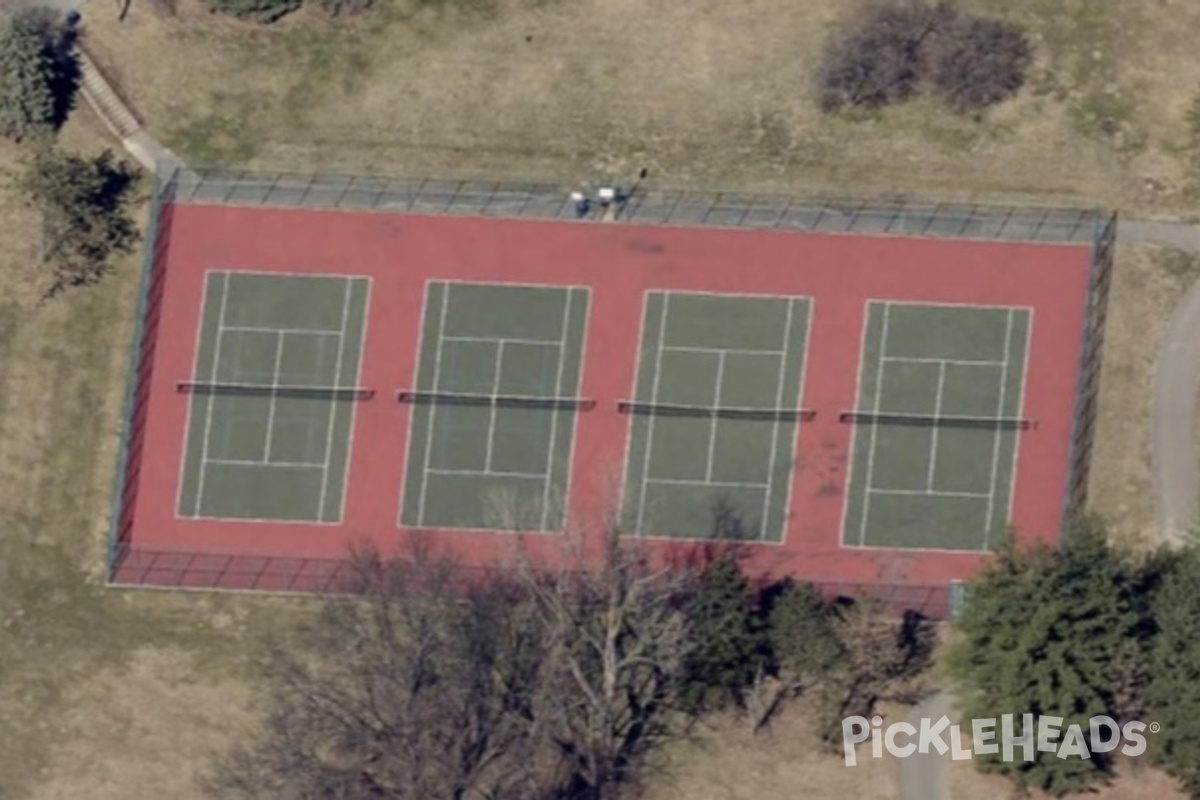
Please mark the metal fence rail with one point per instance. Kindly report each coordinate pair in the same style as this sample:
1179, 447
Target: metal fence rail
650, 206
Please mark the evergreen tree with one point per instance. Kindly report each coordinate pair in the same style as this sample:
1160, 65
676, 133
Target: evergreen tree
1051, 634
725, 637
1173, 694
38, 73
801, 631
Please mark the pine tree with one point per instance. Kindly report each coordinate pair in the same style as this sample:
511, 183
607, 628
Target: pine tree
1050, 634
726, 640
38, 73
1173, 694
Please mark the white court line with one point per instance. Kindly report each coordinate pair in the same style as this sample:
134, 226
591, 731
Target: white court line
933, 438
331, 420
437, 371
854, 433
737, 351
491, 432
958, 362
712, 427
583, 354
998, 434
191, 406
296, 331
495, 339
211, 401
629, 454
923, 493
862, 533
555, 418
271, 399
244, 462
406, 474
486, 473
1012, 475
708, 484
662, 338
787, 338
936, 304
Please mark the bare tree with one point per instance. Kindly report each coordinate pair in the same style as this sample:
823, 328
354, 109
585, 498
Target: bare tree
616, 644
548, 681
422, 687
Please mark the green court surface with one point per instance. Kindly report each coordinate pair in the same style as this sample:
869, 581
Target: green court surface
499, 366
940, 393
718, 380
268, 429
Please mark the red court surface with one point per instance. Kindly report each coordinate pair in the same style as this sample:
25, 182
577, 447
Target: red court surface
400, 253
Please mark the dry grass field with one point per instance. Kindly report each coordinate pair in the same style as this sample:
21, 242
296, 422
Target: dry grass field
122, 695
703, 93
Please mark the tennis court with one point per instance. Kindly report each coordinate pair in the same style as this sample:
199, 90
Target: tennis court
937, 425
272, 397
714, 415
494, 406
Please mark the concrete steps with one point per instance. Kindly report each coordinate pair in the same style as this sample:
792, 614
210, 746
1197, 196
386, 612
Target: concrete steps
104, 101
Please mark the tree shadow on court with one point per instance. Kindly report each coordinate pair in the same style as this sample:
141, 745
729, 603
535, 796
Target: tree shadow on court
729, 525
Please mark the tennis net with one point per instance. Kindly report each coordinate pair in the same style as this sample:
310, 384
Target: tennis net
416, 397
936, 420
268, 390
720, 412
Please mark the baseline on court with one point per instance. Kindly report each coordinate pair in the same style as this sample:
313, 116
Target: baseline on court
937, 421
494, 405
715, 412
271, 397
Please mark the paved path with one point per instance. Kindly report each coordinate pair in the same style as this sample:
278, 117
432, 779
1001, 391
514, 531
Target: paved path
1176, 382
923, 776
1173, 455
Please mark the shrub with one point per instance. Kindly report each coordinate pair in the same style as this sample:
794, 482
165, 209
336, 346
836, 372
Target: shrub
979, 62
881, 59
894, 51
263, 12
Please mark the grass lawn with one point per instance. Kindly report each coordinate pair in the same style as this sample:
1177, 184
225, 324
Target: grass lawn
122, 694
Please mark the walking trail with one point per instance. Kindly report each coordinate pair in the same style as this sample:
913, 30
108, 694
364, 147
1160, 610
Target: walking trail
1176, 384
1173, 457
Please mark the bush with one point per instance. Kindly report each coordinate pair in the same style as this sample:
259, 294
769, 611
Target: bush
894, 51
335, 8
263, 12
882, 59
979, 62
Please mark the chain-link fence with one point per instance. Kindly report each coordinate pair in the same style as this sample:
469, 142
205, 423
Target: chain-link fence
640, 204
137, 566
133, 565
